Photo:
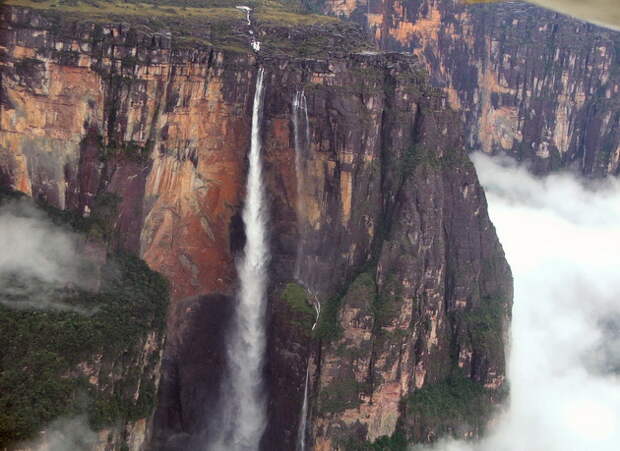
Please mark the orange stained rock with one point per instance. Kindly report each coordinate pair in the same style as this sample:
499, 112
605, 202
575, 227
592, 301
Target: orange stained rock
342, 7
427, 28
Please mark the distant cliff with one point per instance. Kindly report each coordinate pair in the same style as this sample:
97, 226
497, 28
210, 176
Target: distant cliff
381, 217
533, 83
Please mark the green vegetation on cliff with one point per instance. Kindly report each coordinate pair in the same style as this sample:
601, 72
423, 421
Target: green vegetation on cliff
329, 328
456, 400
345, 391
484, 324
301, 315
296, 297
396, 442
362, 289
41, 350
91, 358
418, 155
341, 394
111, 8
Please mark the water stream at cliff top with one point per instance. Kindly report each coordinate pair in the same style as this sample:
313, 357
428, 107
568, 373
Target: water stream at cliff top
242, 417
254, 43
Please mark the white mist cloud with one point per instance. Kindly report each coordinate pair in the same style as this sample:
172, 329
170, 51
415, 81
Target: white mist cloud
65, 434
561, 237
38, 259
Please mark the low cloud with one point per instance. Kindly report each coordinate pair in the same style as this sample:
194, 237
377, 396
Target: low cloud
65, 434
40, 262
561, 237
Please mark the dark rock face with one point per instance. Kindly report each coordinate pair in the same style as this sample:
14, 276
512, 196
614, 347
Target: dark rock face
404, 314
385, 223
190, 373
538, 85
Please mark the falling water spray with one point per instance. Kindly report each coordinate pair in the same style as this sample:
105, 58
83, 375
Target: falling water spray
301, 129
301, 433
242, 418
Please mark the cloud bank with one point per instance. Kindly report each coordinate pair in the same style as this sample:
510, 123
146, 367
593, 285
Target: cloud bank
39, 260
561, 237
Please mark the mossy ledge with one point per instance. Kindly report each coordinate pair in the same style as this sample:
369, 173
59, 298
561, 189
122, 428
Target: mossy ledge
301, 314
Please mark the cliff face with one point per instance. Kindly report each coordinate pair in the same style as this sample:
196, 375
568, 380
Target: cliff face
409, 314
374, 208
529, 82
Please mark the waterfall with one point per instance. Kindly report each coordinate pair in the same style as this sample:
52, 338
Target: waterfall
301, 129
303, 418
301, 433
243, 418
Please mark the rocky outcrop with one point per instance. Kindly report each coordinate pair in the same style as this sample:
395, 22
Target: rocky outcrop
535, 84
380, 217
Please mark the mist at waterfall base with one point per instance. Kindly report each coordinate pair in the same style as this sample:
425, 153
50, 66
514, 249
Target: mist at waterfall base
240, 418
561, 239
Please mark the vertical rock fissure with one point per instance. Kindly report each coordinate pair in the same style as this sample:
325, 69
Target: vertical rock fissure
241, 417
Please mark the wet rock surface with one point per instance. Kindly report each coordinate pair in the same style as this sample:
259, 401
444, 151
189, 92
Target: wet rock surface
395, 239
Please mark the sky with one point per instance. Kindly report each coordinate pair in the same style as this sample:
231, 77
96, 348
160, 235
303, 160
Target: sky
561, 236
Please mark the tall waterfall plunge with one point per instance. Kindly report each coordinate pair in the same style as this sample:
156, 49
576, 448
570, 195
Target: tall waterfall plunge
303, 419
301, 132
301, 129
242, 418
